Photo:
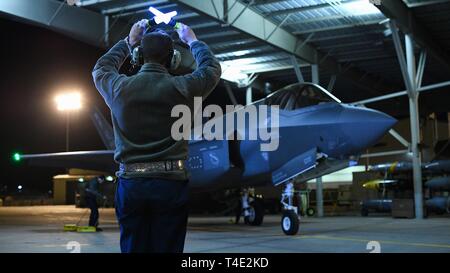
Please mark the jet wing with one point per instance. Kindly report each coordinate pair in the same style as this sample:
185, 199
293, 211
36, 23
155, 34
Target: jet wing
89, 160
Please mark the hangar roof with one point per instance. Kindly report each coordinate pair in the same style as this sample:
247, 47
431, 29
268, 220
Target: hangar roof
346, 38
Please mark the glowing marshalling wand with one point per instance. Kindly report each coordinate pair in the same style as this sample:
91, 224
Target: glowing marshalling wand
166, 18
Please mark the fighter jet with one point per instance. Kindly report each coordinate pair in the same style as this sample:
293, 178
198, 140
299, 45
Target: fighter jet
318, 135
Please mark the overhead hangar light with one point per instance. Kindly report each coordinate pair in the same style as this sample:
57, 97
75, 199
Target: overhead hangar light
234, 74
362, 7
68, 101
73, 2
161, 17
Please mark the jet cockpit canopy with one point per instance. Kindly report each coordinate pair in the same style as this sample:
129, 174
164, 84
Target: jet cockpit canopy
299, 95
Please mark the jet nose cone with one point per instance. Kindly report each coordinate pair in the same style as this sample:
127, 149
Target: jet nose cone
364, 127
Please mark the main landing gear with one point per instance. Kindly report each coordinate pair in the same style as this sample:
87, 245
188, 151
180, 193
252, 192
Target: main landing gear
290, 221
252, 207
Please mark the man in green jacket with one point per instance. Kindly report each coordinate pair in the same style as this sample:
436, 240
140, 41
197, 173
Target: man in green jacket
152, 193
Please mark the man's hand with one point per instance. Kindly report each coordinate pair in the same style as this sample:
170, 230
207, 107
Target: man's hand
186, 34
137, 32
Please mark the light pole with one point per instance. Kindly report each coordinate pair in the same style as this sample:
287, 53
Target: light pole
67, 103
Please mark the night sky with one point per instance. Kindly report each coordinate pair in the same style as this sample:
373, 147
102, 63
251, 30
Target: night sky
37, 63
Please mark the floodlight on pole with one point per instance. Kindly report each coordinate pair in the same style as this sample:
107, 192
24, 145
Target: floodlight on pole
68, 102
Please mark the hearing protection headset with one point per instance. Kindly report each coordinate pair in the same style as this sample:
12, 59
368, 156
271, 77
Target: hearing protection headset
173, 63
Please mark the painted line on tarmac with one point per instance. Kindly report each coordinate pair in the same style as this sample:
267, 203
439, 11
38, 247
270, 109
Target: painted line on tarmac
325, 237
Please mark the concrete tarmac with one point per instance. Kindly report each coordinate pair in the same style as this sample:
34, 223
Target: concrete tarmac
40, 229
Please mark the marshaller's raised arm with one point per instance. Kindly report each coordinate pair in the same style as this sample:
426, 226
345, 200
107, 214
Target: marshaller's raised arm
106, 71
207, 75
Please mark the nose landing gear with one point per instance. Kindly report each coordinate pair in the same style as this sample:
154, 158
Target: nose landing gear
290, 221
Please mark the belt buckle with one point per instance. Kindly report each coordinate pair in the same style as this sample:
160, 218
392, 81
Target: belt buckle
180, 164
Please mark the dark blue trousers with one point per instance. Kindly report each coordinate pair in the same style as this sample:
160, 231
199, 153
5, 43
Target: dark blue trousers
152, 214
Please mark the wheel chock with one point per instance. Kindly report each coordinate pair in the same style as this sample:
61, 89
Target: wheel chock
70, 227
86, 229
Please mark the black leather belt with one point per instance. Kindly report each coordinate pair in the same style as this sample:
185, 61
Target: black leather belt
156, 166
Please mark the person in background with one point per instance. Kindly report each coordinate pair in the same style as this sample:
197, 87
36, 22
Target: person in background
91, 194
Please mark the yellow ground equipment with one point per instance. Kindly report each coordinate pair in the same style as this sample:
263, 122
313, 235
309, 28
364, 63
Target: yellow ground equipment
75, 228
86, 229
70, 227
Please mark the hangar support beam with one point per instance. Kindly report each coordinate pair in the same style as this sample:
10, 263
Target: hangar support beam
249, 95
302, 9
83, 24
298, 72
399, 138
331, 83
408, 68
402, 93
252, 23
388, 153
408, 23
319, 181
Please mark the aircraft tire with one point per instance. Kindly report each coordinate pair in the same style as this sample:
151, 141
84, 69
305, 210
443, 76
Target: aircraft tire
257, 207
290, 223
310, 211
